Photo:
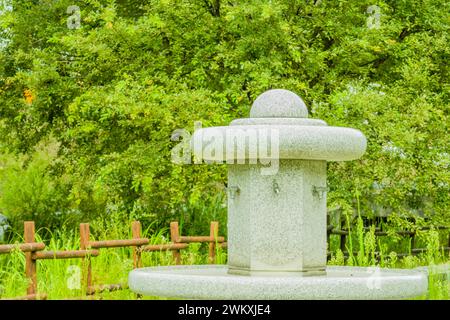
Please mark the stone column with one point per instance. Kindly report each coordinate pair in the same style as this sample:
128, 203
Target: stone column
277, 223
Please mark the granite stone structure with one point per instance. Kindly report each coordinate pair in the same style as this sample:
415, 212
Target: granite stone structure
277, 244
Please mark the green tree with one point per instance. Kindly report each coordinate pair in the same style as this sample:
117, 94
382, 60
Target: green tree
113, 90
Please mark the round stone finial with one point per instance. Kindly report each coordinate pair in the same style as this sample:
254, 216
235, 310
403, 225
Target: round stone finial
278, 103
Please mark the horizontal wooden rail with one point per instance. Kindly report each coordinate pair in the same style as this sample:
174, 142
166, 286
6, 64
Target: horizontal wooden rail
187, 239
104, 287
64, 254
377, 254
420, 250
378, 232
118, 243
165, 247
24, 247
34, 296
86, 297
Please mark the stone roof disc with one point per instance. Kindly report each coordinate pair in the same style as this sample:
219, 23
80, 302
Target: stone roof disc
279, 117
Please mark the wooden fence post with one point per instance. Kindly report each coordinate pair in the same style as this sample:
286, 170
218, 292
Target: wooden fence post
213, 233
84, 245
136, 234
175, 237
328, 231
30, 263
449, 239
343, 237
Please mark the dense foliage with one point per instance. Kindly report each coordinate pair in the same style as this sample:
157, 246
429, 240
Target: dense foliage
105, 98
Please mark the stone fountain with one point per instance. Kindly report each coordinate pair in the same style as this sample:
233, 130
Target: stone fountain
277, 245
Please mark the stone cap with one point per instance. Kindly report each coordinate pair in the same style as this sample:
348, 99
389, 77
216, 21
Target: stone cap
278, 103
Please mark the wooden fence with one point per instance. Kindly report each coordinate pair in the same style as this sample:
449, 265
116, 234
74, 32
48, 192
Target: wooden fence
88, 249
345, 233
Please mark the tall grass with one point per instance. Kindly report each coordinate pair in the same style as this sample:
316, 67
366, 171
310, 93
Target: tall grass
62, 278
378, 251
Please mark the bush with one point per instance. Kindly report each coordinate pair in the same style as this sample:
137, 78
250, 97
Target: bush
28, 191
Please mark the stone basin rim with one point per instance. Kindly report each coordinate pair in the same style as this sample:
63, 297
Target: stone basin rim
213, 282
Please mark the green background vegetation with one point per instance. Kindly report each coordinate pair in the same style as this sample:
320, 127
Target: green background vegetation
93, 136
86, 115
